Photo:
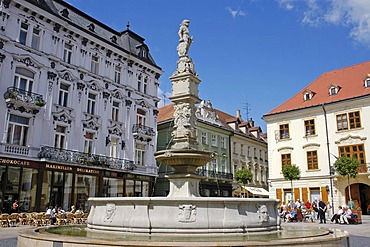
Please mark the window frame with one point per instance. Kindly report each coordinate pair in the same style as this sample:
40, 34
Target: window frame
117, 74
60, 137
115, 110
89, 142
214, 140
95, 64
284, 131
349, 151
204, 138
67, 52
286, 159
309, 126
312, 160
91, 103
139, 154
17, 126
348, 121
223, 142
23, 79
63, 94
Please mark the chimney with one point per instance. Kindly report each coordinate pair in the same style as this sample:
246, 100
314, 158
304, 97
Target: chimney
238, 114
251, 122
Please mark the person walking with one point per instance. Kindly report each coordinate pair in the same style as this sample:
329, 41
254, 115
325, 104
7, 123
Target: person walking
322, 210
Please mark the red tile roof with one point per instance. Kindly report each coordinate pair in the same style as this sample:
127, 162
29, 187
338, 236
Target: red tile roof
350, 80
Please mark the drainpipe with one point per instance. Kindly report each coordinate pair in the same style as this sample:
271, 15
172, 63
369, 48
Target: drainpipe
330, 169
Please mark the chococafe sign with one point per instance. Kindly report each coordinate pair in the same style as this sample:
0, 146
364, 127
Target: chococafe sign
5, 161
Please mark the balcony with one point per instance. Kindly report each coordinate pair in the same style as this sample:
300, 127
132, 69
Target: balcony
23, 100
142, 132
92, 160
214, 174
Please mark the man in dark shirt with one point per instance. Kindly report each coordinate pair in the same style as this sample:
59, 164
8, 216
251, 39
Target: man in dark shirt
322, 210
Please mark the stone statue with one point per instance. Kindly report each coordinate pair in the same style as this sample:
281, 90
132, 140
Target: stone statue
185, 39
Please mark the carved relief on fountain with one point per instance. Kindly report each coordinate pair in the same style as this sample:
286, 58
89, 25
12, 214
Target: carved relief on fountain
187, 213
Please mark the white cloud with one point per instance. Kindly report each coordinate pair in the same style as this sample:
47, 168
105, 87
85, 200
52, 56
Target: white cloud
353, 14
286, 4
163, 96
235, 12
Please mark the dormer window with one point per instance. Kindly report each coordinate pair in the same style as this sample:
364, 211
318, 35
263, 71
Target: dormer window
307, 95
367, 80
333, 89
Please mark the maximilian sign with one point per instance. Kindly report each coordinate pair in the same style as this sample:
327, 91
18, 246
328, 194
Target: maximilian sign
58, 167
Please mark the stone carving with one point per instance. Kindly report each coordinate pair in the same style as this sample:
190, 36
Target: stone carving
263, 214
207, 112
110, 211
183, 118
185, 64
185, 40
187, 213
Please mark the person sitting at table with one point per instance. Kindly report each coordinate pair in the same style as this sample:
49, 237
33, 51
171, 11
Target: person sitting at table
347, 213
291, 216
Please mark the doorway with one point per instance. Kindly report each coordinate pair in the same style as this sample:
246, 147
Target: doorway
360, 194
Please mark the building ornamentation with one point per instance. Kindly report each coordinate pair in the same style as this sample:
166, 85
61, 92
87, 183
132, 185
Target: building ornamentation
187, 213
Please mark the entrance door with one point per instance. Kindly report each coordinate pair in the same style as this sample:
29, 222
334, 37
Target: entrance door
360, 194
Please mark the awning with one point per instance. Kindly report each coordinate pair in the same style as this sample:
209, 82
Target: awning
257, 191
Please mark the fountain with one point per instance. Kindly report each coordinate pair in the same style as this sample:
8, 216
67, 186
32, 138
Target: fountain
183, 217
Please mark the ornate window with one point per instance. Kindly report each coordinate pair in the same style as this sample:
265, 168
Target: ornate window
115, 111
95, 64
60, 137
89, 142
354, 151
113, 149
91, 101
35, 43
63, 94
214, 140
23, 80
23, 33
223, 142
67, 53
17, 130
312, 161
117, 74
223, 165
284, 131
141, 117
204, 138
354, 119
32, 39
286, 159
139, 154
333, 89
309, 126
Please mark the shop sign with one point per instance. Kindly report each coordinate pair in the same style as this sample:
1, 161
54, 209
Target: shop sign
89, 171
15, 162
58, 167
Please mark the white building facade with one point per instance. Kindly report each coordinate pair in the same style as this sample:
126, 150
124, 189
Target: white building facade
326, 120
80, 107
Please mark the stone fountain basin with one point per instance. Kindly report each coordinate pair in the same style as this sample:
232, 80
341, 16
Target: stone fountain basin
182, 215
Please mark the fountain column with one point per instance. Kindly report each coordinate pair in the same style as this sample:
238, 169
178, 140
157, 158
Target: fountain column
184, 156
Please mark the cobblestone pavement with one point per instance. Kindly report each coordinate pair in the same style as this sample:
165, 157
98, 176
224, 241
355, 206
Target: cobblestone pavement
359, 234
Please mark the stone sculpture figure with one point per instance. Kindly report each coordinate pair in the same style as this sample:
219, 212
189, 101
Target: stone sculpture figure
263, 213
185, 39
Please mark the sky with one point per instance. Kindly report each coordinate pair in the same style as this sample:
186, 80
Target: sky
251, 55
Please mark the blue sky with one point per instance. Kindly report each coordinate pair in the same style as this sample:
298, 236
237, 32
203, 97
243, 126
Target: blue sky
255, 52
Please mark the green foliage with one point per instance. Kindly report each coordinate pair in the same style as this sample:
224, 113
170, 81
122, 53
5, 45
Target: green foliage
291, 172
347, 166
243, 176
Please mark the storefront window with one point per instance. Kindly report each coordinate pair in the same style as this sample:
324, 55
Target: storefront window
45, 190
57, 189
111, 187
129, 188
27, 197
67, 198
145, 189
137, 188
85, 187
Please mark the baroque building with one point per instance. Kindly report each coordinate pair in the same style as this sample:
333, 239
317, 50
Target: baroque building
79, 111
229, 138
325, 120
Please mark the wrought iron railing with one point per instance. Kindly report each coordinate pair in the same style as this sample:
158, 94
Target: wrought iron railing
75, 157
142, 129
24, 96
214, 174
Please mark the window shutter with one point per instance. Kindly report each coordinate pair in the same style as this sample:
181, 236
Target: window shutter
324, 195
296, 194
278, 194
304, 195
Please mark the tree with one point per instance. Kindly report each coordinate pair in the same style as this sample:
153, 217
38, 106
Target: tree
243, 176
291, 172
347, 166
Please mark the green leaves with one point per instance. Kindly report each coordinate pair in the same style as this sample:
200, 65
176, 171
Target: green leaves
243, 176
291, 172
347, 166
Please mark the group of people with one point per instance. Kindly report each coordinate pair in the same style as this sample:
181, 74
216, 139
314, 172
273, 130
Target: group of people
52, 211
343, 215
293, 210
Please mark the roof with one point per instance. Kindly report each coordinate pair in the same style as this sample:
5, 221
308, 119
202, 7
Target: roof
166, 114
350, 81
127, 41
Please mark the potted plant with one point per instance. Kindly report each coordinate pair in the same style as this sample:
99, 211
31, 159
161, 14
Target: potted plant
40, 103
10, 95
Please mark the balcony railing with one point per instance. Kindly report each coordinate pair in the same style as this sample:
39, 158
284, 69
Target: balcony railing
74, 157
214, 174
143, 132
23, 96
